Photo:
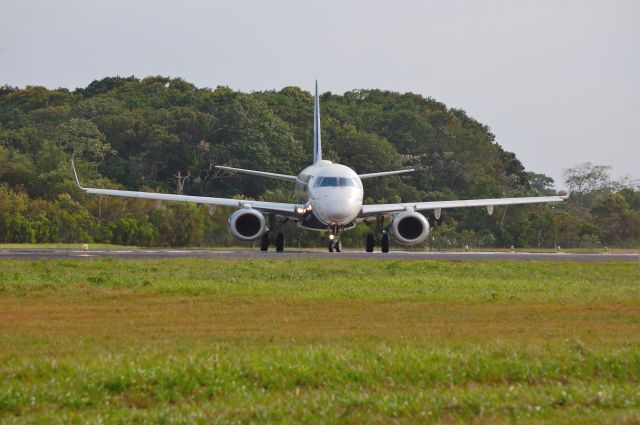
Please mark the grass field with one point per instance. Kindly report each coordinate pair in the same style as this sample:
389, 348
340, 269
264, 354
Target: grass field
321, 341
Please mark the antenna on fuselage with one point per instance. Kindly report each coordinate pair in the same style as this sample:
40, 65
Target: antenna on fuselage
317, 140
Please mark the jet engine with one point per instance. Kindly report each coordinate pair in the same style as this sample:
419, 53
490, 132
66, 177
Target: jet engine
247, 224
409, 228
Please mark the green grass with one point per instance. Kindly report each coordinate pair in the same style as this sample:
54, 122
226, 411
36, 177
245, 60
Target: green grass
322, 341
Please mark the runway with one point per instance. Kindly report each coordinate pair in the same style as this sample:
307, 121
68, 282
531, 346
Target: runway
137, 254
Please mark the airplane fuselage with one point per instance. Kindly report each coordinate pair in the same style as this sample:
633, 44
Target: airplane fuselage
333, 194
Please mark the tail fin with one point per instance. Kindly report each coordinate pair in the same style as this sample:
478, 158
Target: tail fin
317, 140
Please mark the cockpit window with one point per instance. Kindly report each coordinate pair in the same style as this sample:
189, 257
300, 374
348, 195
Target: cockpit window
345, 181
333, 182
327, 182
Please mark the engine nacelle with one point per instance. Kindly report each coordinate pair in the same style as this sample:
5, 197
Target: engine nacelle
247, 224
409, 228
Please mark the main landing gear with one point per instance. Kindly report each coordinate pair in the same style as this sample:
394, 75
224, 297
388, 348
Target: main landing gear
266, 241
384, 243
370, 242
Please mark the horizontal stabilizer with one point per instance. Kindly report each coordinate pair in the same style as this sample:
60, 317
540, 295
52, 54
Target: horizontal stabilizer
385, 173
258, 173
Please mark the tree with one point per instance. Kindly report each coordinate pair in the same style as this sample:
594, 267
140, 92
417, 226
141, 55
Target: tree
618, 223
587, 182
541, 184
162, 129
81, 138
587, 178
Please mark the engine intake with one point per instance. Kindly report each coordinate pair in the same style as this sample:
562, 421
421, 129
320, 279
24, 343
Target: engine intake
409, 228
247, 224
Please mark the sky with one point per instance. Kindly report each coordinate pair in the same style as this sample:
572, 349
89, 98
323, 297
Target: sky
557, 81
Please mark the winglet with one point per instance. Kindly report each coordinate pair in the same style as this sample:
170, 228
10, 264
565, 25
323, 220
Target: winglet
75, 173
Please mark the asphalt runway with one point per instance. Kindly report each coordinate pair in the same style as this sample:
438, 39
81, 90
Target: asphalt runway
137, 254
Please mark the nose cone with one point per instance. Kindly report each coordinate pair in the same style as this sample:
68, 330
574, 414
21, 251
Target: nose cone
339, 211
336, 211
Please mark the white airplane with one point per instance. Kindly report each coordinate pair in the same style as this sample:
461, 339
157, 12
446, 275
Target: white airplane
329, 199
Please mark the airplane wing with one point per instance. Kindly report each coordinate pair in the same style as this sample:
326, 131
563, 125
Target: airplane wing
384, 173
382, 209
269, 207
258, 173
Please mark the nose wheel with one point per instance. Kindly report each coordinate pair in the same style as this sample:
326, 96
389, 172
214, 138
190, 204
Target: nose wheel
334, 239
335, 246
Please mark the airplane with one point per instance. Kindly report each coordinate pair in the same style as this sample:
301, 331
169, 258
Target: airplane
329, 199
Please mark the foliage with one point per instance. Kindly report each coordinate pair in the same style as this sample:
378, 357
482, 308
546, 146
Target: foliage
165, 134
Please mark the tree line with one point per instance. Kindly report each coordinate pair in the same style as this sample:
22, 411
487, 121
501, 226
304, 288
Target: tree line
164, 134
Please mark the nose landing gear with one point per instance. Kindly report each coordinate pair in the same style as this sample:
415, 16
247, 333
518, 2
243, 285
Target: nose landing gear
335, 244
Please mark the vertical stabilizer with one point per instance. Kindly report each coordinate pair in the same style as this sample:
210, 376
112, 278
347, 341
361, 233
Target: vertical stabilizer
317, 140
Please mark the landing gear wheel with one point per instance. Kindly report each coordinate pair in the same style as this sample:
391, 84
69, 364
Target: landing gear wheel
384, 243
370, 243
280, 242
264, 242
337, 246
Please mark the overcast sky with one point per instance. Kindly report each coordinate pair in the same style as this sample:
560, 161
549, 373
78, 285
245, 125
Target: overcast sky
558, 81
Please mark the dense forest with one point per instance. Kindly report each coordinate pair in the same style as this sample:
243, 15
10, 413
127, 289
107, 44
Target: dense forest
164, 134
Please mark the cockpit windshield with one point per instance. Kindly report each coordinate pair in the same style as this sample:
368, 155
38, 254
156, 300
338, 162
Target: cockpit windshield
333, 182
